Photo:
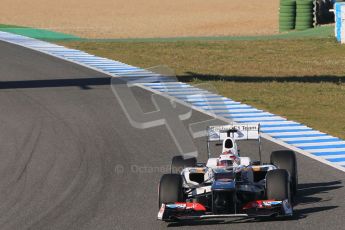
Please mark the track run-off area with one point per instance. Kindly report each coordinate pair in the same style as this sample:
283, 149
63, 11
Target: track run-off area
70, 159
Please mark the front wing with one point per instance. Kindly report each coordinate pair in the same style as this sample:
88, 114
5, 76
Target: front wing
196, 211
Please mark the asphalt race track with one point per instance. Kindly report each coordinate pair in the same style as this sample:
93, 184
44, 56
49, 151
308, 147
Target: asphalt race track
69, 158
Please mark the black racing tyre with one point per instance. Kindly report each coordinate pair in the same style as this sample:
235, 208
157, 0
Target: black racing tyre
178, 163
277, 185
286, 159
170, 189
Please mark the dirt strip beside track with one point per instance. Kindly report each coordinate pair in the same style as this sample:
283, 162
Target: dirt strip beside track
150, 18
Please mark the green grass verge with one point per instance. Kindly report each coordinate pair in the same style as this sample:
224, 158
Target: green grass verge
283, 60
37, 33
319, 105
298, 79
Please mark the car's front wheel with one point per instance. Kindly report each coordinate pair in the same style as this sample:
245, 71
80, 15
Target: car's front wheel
286, 159
170, 189
277, 185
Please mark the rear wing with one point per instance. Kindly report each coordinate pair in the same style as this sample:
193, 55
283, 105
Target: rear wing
245, 131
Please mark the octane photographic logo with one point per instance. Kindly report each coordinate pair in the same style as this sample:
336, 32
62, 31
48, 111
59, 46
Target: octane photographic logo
169, 112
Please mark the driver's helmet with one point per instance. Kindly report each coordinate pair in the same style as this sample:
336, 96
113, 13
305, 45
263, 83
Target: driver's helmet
229, 146
228, 160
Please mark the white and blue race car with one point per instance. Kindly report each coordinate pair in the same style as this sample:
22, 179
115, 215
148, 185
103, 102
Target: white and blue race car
229, 185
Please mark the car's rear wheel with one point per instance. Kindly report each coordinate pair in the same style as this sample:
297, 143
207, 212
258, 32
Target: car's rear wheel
170, 189
277, 185
178, 163
286, 159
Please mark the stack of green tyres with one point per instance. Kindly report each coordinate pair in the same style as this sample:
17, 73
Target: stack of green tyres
304, 14
287, 15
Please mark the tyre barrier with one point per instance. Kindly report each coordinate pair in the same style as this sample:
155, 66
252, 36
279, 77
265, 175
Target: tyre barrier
296, 14
287, 15
304, 14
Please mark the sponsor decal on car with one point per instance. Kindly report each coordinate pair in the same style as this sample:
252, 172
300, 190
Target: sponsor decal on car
187, 206
262, 204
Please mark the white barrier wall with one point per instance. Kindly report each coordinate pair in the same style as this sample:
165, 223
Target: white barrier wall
339, 12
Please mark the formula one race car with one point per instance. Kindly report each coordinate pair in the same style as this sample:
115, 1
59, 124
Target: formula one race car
229, 185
